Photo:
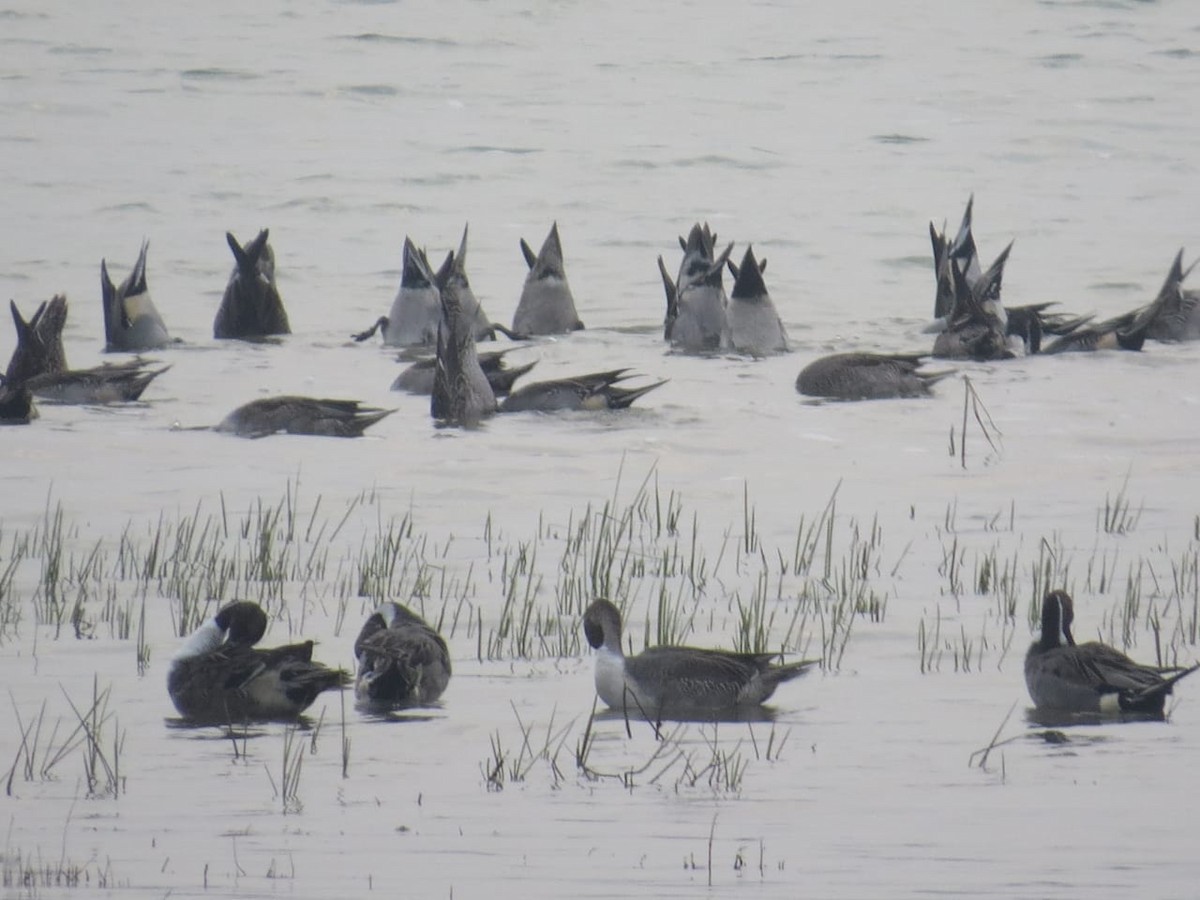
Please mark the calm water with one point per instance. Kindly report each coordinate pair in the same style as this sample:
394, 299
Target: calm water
828, 137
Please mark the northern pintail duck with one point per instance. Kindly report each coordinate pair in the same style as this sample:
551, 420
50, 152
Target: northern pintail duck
418, 377
16, 404
867, 376
302, 415
546, 305
416, 310
131, 321
1178, 316
664, 680
219, 676
754, 324
1063, 676
977, 327
401, 660
462, 395
696, 301
597, 391
251, 307
1127, 331
39, 364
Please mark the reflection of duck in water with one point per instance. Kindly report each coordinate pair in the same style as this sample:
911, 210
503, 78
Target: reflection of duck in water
754, 324
684, 679
251, 307
39, 364
219, 676
401, 660
867, 376
1063, 676
301, 415
131, 320
599, 390
546, 305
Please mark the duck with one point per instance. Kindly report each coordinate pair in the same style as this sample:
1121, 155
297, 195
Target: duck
1178, 317
596, 391
39, 364
219, 676
402, 661
868, 376
16, 404
695, 321
251, 307
663, 680
131, 321
416, 310
301, 415
546, 305
462, 395
754, 325
977, 327
1066, 677
418, 377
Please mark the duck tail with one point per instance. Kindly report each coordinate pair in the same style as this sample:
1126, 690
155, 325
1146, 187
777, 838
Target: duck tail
1151, 699
788, 671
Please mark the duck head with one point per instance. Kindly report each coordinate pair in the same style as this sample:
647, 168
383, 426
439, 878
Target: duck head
602, 626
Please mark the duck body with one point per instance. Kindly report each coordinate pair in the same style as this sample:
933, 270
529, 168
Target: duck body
1092, 677
696, 301
867, 376
402, 661
131, 320
219, 676
301, 415
251, 307
417, 309
462, 395
753, 322
660, 681
597, 391
546, 305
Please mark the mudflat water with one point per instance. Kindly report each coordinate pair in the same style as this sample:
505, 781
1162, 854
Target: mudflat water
723, 505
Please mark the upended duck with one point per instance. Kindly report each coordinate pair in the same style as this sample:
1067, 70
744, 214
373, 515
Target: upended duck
39, 364
220, 677
546, 305
867, 376
418, 377
1178, 315
462, 395
1066, 677
696, 301
661, 681
401, 660
597, 391
753, 322
251, 307
131, 320
301, 415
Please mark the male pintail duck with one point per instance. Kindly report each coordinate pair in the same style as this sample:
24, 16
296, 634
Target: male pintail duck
131, 321
418, 377
251, 307
867, 376
663, 680
978, 325
1177, 317
301, 415
1066, 677
219, 676
39, 365
696, 301
1129, 331
462, 395
546, 305
597, 391
416, 311
754, 324
401, 660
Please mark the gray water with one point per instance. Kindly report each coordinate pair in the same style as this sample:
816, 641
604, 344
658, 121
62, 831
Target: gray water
826, 135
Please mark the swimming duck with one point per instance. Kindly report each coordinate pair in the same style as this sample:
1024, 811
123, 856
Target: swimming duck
418, 377
546, 305
219, 676
401, 660
867, 376
678, 679
39, 365
754, 324
596, 391
251, 307
131, 321
1063, 676
301, 415
462, 395
696, 301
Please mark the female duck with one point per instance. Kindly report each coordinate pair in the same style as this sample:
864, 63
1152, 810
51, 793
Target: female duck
219, 676
401, 660
1063, 676
678, 679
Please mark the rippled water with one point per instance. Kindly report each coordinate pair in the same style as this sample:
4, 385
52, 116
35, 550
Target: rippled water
828, 138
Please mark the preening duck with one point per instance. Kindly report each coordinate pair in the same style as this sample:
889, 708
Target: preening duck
401, 660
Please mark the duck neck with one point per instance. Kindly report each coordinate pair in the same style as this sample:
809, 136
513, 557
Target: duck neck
205, 639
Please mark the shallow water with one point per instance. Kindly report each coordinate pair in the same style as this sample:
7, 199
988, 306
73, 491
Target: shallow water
826, 137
